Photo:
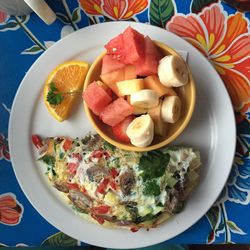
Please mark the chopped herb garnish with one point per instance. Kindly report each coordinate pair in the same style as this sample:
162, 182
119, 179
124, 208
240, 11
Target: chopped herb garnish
86, 139
151, 188
108, 146
49, 160
147, 217
78, 209
61, 155
133, 210
153, 164
160, 204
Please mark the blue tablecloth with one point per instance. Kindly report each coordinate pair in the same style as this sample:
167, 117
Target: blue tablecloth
216, 29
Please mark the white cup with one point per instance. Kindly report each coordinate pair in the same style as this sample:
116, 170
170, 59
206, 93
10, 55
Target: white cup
25, 7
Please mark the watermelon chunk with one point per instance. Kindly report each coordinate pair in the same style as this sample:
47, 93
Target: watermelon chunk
127, 47
115, 47
148, 65
110, 64
119, 130
96, 98
116, 111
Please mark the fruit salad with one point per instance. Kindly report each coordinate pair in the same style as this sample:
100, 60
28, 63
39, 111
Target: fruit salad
135, 93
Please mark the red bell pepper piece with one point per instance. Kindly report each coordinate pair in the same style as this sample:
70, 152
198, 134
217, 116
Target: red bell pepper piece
37, 141
72, 186
114, 173
134, 229
72, 167
67, 145
103, 209
99, 219
113, 185
77, 156
102, 186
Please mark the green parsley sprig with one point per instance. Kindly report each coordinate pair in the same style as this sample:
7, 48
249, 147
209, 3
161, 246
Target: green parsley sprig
55, 97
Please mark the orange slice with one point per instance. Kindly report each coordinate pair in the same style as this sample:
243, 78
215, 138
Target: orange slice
67, 80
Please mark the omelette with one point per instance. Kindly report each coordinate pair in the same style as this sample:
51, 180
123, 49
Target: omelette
117, 188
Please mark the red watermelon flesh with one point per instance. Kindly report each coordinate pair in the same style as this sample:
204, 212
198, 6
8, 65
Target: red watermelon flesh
149, 64
116, 111
110, 64
134, 45
115, 47
127, 47
96, 98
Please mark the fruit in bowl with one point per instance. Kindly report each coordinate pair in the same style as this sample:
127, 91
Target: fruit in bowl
139, 94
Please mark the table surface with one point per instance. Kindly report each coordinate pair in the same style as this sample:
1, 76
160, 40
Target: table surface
219, 31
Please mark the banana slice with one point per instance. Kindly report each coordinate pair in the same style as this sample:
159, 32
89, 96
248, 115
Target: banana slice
137, 110
173, 71
146, 98
128, 87
171, 109
143, 143
140, 129
160, 127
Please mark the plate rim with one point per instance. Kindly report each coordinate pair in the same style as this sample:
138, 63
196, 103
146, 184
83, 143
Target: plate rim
40, 58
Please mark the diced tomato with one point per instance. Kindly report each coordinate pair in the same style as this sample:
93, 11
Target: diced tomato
67, 145
134, 229
77, 156
72, 167
102, 186
99, 219
103, 209
113, 185
106, 154
84, 190
72, 186
37, 141
97, 154
113, 172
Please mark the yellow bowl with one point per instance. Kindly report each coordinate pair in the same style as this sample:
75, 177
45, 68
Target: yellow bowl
186, 93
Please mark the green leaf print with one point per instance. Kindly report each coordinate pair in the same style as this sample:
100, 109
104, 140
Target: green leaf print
234, 228
63, 18
198, 5
11, 25
35, 49
60, 239
14, 23
76, 15
213, 216
161, 12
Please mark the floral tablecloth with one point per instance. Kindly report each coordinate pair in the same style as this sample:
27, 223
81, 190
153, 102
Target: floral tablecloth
218, 31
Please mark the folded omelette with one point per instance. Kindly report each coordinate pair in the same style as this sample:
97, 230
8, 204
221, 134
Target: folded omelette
117, 188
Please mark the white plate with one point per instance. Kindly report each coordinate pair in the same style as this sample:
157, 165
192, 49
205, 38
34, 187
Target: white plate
211, 130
